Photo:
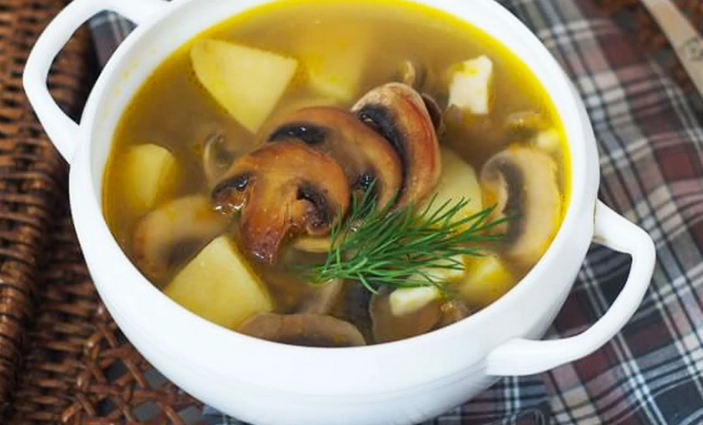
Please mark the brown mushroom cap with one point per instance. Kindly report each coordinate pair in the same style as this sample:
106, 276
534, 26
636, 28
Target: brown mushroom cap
184, 224
399, 114
282, 189
365, 156
522, 183
309, 330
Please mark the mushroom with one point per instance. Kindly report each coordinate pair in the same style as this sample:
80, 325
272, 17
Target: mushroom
178, 228
322, 297
388, 327
412, 74
355, 307
399, 114
522, 183
366, 157
453, 311
282, 189
311, 330
436, 114
218, 156
525, 124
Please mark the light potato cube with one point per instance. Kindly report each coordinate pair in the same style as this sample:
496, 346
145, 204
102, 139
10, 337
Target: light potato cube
458, 180
149, 173
335, 61
470, 87
247, 82
487, 279
220, 286
409, 300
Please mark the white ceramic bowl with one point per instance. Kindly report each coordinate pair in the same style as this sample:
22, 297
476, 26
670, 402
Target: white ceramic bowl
267, 383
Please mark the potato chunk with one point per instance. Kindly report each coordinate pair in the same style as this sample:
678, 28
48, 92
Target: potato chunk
335, 61
405, 301
247, 82
487, 279
220, 286
149, 174
470, 88
458, 180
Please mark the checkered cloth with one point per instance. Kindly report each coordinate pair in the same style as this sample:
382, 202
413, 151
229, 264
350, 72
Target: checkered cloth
650, 138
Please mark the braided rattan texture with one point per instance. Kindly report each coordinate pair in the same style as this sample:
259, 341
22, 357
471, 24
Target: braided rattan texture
62, 360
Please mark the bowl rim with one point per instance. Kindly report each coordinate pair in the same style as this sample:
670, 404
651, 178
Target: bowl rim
91, 226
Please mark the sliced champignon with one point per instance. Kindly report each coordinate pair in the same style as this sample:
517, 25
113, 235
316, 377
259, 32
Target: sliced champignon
282, 189
453, 311
522, 183
412, 74
399, 114
366, 157
311, 330
322, 297
355, 307
218, 156
436, 114
176, 230
389, 327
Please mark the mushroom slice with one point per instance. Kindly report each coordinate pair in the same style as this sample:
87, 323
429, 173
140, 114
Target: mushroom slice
399, 114
412, 74
175, 230
453, 311
323, 297
366, 156
525, 124
389, 327
310, 330
436, 114
522, 183
218, 156
282, 189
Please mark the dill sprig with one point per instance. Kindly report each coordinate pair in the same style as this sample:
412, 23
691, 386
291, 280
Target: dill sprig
401, 247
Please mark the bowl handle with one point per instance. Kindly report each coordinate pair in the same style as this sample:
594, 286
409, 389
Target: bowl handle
525, 357
62, 130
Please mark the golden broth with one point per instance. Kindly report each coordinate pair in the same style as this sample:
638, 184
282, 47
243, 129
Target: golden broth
174, 111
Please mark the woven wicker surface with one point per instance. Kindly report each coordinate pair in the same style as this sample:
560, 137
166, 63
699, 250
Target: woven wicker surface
62, 360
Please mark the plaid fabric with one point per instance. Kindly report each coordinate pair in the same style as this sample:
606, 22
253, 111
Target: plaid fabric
651, 143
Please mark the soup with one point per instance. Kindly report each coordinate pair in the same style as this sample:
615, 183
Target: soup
337, 173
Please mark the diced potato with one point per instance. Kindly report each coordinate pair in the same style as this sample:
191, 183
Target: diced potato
470, 87
458, 180
334, 61
487, 279
247, 82
149, 174
220, 286
409, 300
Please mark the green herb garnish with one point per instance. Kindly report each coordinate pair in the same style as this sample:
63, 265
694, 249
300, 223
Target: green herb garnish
398, 248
